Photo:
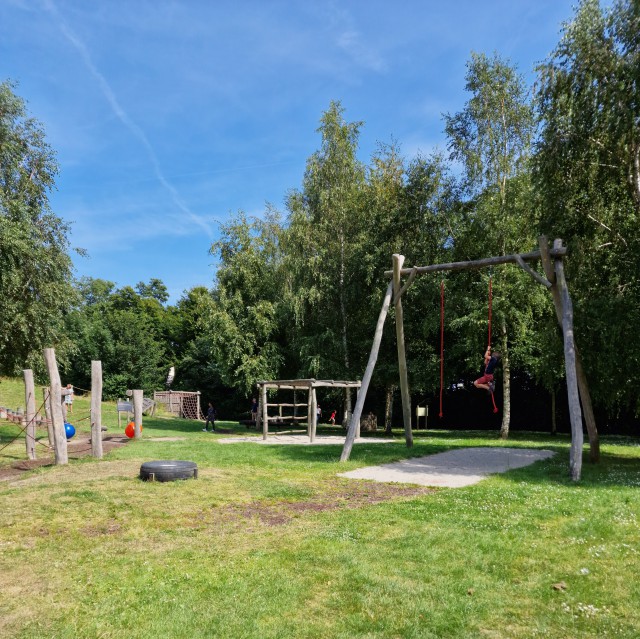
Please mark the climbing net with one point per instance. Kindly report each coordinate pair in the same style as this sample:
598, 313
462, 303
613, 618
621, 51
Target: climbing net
185, 404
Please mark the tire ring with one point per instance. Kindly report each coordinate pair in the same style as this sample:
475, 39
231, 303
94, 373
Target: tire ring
168, 470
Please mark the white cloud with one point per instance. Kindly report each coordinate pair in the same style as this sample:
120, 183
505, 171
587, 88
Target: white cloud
122, 115
363, 55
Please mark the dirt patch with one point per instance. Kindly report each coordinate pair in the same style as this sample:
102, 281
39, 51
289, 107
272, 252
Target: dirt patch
80, 473
75, 450
341, 496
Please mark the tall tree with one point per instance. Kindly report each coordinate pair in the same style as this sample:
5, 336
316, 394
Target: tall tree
243, 324
35, 267
491, 137
325, 224
587, 173
127, 333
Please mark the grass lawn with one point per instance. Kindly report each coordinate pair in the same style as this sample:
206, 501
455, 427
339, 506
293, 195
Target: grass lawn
268, 542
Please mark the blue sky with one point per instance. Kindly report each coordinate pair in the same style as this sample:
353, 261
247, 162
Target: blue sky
170, 116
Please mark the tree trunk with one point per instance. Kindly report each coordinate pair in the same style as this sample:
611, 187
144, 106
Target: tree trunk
388, 411
348, 407
554, 423
506, 385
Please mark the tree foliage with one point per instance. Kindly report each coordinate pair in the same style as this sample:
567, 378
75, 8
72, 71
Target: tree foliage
35, 267
298, 295
243, 324
587, 176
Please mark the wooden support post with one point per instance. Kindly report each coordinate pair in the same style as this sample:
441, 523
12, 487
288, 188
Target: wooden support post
59, 435
583, 386
96, 409
314, 414
398, 260
354, 424
309, 411
534, 274
137, 413
259, 413
30, 413
46, 397
265, 411
575, 456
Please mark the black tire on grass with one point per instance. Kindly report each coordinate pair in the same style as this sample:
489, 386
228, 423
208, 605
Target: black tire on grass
168, 470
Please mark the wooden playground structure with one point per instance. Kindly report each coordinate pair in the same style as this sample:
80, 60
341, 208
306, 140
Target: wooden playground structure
553, 279
309, 386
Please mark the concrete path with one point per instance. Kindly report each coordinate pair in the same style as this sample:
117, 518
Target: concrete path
452, 469
303, 440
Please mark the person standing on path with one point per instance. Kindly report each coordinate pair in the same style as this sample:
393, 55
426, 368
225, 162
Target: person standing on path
211, 417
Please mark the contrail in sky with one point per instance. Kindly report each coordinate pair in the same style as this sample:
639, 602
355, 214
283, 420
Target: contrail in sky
122, 115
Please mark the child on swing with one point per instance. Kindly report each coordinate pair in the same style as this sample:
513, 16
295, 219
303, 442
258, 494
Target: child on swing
490, 362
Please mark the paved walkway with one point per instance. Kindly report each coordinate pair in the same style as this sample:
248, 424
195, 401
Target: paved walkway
303, 440
453, 469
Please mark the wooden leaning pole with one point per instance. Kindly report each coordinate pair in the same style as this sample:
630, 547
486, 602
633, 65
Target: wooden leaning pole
555, 281
30, 413
55, 408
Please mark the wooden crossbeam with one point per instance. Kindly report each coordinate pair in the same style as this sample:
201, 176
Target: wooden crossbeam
487, 261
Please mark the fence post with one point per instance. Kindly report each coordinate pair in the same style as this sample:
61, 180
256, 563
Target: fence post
137, 413
96, 409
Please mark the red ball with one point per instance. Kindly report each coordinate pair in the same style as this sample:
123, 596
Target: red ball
130, 430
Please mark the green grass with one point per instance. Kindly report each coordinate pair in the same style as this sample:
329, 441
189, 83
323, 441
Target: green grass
270, 543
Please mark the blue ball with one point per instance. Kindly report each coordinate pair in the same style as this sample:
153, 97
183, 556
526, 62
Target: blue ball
69, 429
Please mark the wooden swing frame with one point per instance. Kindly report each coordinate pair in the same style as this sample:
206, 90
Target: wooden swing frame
554, 280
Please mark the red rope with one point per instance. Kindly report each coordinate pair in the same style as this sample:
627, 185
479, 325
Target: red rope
493, 400
441, 342
490, 305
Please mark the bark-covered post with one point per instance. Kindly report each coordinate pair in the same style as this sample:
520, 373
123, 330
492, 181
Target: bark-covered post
398, 261
259, 413
57, 419
583, 386
366, 379
137, 413
358, 422
30, 414
265, 411
309, 411
314, 414
46, 397
96, 409
575, 456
